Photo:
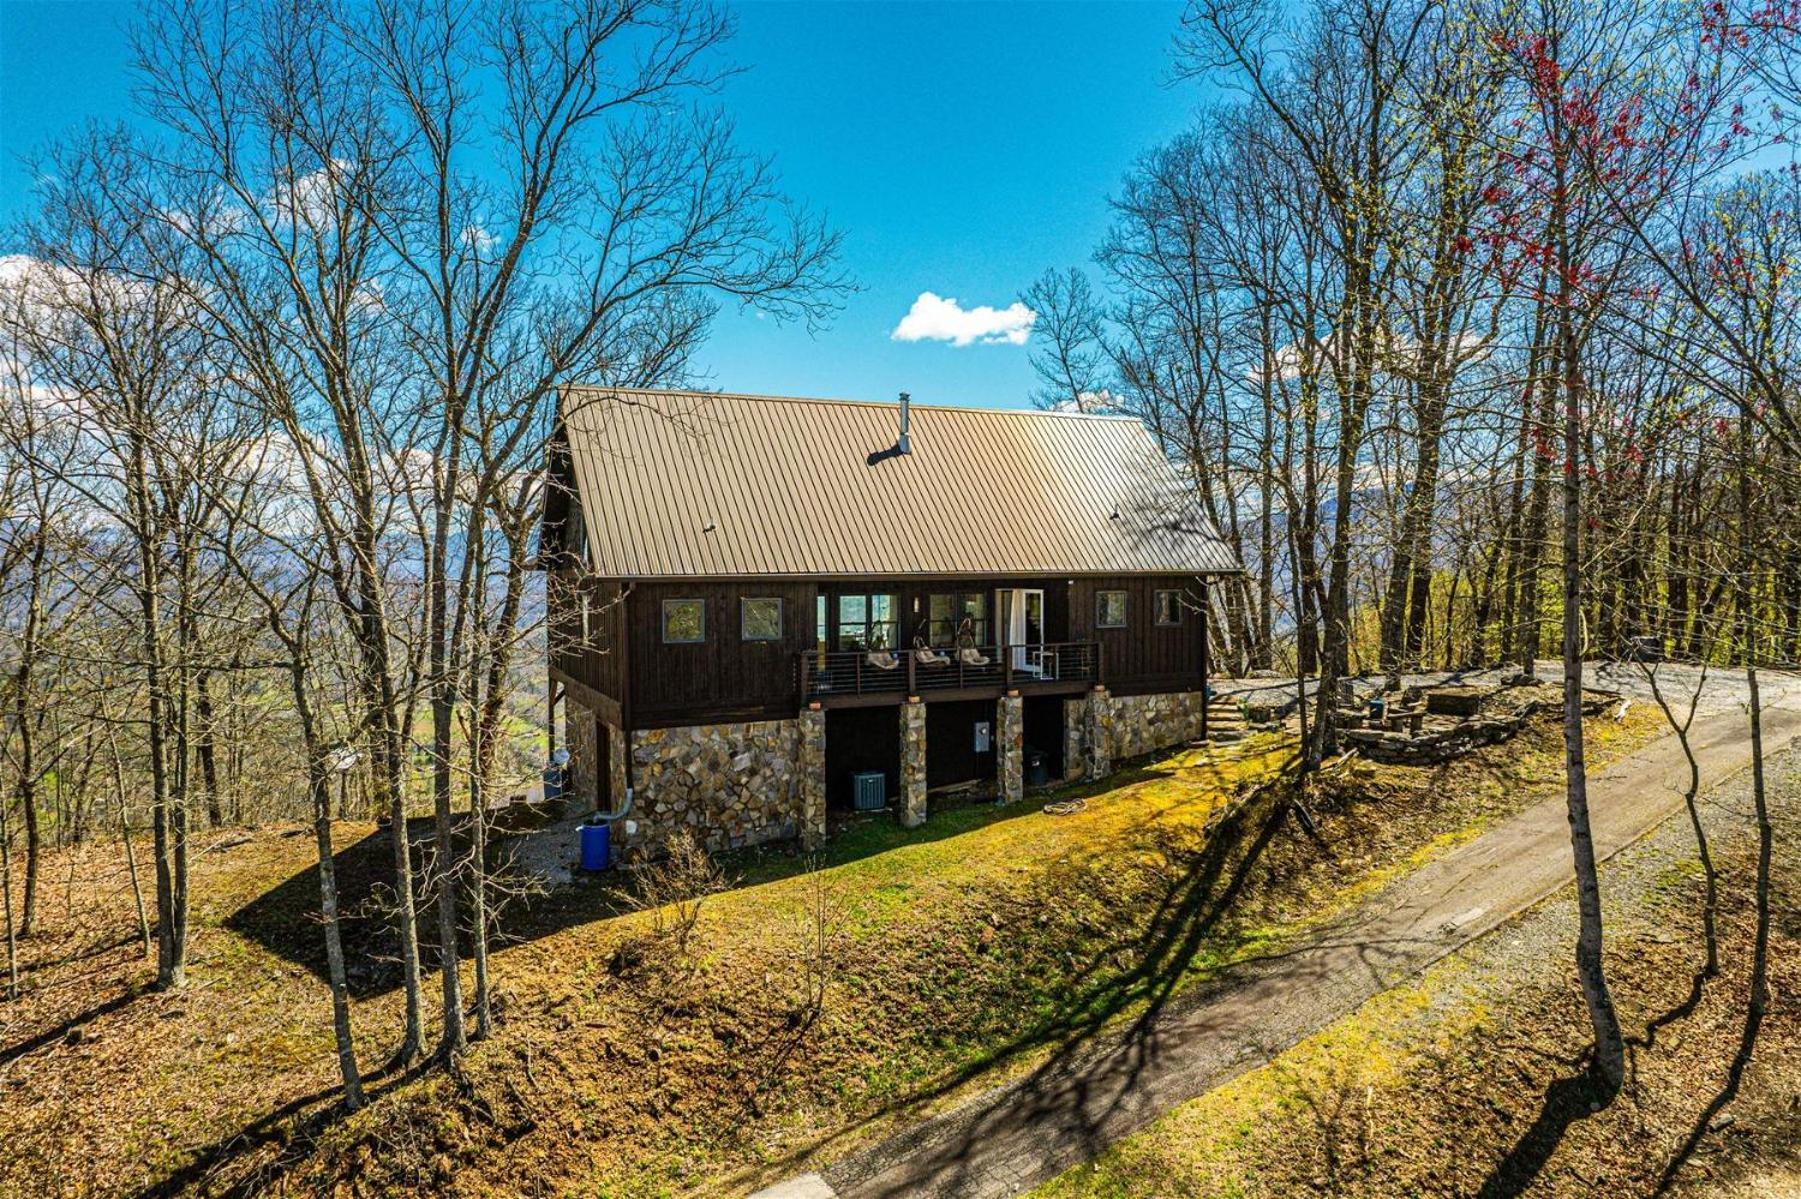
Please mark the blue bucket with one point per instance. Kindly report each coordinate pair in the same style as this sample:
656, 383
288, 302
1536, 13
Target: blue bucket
597, 846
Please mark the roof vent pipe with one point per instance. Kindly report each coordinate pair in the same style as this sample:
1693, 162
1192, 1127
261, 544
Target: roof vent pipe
905, 444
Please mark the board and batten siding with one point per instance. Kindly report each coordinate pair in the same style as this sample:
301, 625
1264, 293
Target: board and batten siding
1144, 657
725, 678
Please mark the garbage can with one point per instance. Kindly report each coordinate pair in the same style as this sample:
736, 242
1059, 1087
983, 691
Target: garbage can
1036, 774
597, 846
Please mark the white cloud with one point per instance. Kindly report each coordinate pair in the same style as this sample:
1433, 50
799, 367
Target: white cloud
1089, 402
936, 318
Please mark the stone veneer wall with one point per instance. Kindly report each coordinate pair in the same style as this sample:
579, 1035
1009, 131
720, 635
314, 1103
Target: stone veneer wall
730, 784
912, 764
616, 758
1131, 725
811, 765
578, 732
1010, 747
1075, 722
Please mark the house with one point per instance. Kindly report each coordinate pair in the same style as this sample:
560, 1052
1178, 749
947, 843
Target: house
764, 609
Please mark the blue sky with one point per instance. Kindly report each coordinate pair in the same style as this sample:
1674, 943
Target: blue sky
961, 148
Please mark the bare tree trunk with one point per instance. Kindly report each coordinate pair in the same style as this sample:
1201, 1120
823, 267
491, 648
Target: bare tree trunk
131, 857
6, 894
1610, 1047
205, 747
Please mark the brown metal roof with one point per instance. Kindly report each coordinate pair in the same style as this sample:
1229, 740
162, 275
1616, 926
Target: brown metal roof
695, 484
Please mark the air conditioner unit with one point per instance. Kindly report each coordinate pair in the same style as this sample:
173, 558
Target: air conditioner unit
870, 790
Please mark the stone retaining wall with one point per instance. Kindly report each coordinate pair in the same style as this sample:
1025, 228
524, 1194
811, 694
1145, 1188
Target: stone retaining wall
732, 785
1131, 725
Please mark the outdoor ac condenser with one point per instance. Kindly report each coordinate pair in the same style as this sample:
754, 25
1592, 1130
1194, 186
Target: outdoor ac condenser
870, 790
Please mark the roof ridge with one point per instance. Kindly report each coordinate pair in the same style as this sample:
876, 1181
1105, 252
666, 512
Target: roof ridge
690, 393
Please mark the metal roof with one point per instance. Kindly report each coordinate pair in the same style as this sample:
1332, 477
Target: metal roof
694, 484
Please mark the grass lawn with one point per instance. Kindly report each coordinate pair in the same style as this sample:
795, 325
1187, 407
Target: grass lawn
817, 1004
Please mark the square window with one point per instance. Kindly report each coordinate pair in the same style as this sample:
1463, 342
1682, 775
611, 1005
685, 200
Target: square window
1110, 610
684, 621
760, 619
957, 615
1169, 607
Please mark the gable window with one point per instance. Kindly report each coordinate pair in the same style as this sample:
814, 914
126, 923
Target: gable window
684, 621
760, 618
868, 621
949, 612
1169, 607
1110, 609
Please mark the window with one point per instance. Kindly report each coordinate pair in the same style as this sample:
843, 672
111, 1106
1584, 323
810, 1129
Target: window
867, 621
684, 621
1169, 607
949, 611
1110, 609
760, 618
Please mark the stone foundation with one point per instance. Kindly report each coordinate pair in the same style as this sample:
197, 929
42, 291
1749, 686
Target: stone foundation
1010, 747
1075, 723
1097, 735
1131, 725
811, 767
731, 785
579, 723
912, 764
742, 784
616, 759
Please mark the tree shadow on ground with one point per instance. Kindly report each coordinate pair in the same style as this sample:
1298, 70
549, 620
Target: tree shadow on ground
12, 1053
1567, 1100
1086, 1077
316, 1112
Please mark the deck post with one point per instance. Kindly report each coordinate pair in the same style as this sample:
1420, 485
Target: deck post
1010, 746
912, 763
1097, 736
1075, 717
811, 767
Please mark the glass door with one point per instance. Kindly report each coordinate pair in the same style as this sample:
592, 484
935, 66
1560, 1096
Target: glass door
1024, 608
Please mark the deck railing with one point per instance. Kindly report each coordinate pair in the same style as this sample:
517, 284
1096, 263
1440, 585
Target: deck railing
824, 676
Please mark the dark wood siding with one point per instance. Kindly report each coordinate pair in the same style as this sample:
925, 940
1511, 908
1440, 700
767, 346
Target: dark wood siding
1144, 657
951, 756
859, 739
597, 659
722, 677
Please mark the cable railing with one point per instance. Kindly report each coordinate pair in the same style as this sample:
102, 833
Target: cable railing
827, 674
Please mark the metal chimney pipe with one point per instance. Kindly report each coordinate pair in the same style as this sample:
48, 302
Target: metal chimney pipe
905, 444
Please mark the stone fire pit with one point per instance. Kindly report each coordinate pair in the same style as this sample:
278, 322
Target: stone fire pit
1424, 729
